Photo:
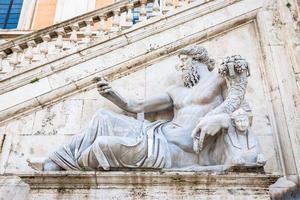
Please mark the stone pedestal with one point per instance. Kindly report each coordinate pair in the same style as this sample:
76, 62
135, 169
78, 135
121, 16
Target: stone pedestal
13, 188
147, 185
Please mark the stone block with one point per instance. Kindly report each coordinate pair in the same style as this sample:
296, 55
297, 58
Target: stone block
31, 146
61, 118
268, 148
13, 188
148, 185
34, 89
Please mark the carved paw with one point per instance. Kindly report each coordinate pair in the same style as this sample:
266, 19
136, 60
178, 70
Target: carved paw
238, 161
261, 160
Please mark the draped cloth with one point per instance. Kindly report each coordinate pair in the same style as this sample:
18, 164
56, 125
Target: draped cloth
113, 140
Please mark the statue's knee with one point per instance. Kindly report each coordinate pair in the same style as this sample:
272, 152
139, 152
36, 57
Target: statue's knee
101, 140
103, 112
104, 141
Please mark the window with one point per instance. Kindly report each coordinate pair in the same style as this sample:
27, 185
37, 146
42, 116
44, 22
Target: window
9, 13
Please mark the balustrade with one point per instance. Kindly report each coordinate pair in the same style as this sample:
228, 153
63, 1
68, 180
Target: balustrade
44, 46
73, 37
116, 20
156, 9
129, 18
88, 32
15, 58
101, 30
143, 11
2, 56
78, 33
59, 41
29, 52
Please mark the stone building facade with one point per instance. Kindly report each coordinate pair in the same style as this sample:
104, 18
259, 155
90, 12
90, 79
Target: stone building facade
47, 94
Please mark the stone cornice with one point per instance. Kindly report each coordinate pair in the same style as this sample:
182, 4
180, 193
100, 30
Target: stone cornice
76, 179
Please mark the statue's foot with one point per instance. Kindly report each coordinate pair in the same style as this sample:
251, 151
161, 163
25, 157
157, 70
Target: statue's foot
43, 164
49, 165
238, 161
36, 163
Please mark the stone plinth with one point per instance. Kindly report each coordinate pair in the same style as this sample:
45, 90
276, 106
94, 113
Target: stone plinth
148, 185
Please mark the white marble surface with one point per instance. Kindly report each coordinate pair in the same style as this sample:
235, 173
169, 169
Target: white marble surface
73, 113
271, 93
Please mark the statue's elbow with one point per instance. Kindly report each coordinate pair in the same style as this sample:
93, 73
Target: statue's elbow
133, 108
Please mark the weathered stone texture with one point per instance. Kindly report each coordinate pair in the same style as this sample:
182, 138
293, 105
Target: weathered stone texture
42, 115
148, 185
73, 113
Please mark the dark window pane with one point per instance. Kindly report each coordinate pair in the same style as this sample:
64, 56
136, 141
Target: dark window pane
4, 7
18, 7
14, 15
3, 11
12, 21
10, 12
5, 1
16, 12
11, 26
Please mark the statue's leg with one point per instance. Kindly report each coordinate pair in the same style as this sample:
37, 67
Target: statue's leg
43, 164
105, 124
114, 152
181, 158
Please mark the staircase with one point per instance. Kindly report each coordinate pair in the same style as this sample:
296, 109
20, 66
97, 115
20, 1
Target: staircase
33, 56
41, 47
67, 48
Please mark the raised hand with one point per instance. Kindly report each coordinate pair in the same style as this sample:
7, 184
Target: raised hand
103, 86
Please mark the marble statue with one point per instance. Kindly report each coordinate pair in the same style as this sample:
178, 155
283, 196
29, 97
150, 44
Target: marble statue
242, 145
193, 139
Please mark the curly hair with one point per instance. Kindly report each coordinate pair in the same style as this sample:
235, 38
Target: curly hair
193, 77
200, 54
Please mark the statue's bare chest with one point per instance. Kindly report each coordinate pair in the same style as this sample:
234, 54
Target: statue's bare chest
201, 94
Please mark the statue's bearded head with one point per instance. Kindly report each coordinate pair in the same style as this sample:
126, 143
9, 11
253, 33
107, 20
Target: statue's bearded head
194, 60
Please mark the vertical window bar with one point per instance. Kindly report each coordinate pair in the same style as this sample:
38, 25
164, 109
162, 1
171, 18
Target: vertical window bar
8, 13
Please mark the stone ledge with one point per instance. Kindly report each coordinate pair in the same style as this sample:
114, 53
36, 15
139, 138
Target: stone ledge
87, 180
146, 185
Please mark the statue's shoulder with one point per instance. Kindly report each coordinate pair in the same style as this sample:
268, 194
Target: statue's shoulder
173, 89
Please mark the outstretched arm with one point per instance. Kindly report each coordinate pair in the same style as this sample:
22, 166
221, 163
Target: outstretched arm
156, 103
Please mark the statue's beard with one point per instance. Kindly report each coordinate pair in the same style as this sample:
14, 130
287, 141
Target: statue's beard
191, 78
